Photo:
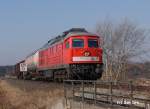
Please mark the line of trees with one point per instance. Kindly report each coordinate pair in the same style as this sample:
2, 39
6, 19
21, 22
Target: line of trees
121, 42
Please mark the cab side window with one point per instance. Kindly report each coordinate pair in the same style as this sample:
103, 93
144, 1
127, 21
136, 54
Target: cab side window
67, 44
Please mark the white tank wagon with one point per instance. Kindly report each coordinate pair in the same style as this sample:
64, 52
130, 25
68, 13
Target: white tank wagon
32, 61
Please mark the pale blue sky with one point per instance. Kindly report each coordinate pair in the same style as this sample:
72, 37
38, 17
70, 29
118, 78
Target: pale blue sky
26, 25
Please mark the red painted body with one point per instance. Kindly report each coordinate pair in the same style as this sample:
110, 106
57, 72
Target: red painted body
58, 54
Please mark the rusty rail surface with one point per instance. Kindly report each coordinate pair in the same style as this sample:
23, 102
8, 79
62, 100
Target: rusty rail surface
114, 93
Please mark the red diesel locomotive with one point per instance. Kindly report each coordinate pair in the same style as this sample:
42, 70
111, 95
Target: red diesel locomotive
76, 54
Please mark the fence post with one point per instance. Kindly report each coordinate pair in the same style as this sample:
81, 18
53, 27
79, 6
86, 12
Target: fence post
82, 94
145, 105
65, 93
111, 92
72, 89
95, 93
131, 92
123, 101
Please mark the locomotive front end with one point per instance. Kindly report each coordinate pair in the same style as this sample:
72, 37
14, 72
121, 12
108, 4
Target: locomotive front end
86, 57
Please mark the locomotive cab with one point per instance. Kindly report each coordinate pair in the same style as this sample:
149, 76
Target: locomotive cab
84, 57
86, 49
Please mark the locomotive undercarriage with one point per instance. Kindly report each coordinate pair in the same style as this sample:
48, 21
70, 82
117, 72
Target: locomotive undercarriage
85, 71
76, 72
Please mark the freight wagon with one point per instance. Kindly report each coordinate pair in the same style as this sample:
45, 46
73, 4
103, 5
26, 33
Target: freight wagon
20, 69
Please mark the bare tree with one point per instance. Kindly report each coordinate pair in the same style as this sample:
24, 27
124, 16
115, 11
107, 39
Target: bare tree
121, 42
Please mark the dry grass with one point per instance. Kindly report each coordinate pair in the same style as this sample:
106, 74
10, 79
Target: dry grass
14, 98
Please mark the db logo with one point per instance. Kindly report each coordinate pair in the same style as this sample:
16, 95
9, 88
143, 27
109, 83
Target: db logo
86, 53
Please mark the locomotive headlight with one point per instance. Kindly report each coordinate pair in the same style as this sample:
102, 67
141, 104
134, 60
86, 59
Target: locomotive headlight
98, 65
86, 53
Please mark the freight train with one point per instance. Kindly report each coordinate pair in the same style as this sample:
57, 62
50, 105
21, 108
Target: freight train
75, 54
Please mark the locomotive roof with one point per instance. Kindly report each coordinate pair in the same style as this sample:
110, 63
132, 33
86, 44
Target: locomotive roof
64, 35
80, 34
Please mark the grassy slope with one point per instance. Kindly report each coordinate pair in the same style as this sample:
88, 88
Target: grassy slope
14, 98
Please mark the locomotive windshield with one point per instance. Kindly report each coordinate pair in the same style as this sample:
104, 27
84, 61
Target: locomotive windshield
92, 43
78, 43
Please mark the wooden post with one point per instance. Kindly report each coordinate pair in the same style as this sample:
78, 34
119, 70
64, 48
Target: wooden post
111, 92
95, 93
107, 98
123, 101
145, 105
72, 90
131, 92
82, 94
65, 93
